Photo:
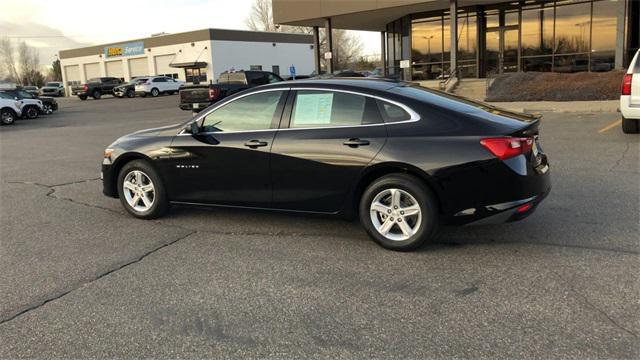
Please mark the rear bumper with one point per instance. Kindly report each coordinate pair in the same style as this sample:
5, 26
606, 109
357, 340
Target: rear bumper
628, 110
511, 211
195, 106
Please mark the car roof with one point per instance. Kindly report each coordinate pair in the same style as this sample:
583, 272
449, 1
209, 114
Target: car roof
346, 82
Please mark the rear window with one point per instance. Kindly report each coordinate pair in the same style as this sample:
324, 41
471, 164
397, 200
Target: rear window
232, 78
53, 84
94, 81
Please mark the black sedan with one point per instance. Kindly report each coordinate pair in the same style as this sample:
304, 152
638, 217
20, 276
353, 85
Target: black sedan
403, 158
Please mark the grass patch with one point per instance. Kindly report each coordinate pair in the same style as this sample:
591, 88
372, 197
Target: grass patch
538, 86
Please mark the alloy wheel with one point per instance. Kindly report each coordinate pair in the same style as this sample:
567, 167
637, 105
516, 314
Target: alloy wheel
8, 118
138, 190
395, 214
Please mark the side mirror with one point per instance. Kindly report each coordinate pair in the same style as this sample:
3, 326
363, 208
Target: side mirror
195, 129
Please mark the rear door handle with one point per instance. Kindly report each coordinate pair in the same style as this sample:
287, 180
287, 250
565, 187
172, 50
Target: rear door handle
355, 142
255, 143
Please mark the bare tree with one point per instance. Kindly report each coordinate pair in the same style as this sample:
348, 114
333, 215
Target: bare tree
7, 60
347, 46
29, 61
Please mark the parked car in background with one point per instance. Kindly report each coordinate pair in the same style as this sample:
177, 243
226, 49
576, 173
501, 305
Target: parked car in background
10, 110
49, 104
31, 89
30, 108
52, 88
96, 87
403, 158
630, 97
156, 85
198, 97
128, 89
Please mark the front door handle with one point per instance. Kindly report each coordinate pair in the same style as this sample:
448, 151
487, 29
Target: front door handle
255, 143
355, 142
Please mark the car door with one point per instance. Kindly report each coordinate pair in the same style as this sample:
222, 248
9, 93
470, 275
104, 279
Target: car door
331, 137
227, 162
160, 83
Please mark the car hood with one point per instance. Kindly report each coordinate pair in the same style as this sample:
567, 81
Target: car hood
164, 130
48, 87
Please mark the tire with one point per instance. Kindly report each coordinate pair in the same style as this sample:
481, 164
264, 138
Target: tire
155, 92
156, 205
30, 112
630, 126
143, 94
131, 93
7, 117
414, 194
96, 95
82, 97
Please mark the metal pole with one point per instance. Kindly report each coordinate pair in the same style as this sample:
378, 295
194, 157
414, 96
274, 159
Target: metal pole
453, 14
383, 52
329, 30
316, 49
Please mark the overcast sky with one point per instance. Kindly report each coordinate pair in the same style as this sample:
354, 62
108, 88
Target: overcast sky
53, 25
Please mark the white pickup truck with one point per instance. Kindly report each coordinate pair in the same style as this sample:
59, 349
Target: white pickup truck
630, 97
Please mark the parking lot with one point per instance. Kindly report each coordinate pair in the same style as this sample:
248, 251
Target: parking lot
80, 278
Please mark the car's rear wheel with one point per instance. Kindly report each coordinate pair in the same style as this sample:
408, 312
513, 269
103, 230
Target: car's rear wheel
131, 93
47, 109
7, 116
155, 92
96, 95
82, 97
630, 126
141, 190
399, 212
31, 112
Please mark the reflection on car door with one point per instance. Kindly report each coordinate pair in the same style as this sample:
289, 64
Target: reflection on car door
331, 137
228, 161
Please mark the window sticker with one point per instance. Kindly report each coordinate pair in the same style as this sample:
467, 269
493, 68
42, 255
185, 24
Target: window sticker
313, 109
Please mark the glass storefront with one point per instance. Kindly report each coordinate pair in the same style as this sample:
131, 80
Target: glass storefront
561, 36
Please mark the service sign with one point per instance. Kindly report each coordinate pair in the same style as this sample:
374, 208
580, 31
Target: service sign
128, 49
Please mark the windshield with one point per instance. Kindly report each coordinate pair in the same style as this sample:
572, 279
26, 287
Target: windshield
53, 84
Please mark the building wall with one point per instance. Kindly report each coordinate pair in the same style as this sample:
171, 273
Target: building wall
240, 55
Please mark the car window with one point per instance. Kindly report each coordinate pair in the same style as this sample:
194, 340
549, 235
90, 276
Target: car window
317, 108
392, 113
94, 81
257, 78
272, 78
4, 95
25, 94
252, 112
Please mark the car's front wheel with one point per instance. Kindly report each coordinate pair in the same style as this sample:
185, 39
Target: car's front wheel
141, 190
155, 92
399, 212
630, 126
7, 116
131, 93
97, 95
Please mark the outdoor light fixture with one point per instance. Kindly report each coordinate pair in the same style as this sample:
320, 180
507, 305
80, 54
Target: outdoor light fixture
273, 44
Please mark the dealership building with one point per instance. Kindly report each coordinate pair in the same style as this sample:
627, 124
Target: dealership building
199, 55
421, 40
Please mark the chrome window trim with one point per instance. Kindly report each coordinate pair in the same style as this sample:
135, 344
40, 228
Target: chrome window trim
414, 116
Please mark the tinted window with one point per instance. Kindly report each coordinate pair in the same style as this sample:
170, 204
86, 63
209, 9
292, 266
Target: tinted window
393, 113
160, 80
94, 81
6, 96
25, 94
272, 78
326, 108
257, 78
253, 112
53, 84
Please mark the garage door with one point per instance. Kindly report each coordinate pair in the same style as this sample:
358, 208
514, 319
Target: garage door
92, 70
138, 67
72, 74
162, 64
114, 69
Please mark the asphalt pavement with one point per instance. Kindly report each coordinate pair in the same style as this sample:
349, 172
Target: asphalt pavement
79, 278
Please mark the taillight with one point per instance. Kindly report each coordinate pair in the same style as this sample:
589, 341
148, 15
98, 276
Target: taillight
626, 84
507, 147
214, 93
85, 87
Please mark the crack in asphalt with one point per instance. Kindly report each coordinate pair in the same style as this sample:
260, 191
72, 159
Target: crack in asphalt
96, 278
622, 156
592, 306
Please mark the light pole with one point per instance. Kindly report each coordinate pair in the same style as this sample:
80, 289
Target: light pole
428, 38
